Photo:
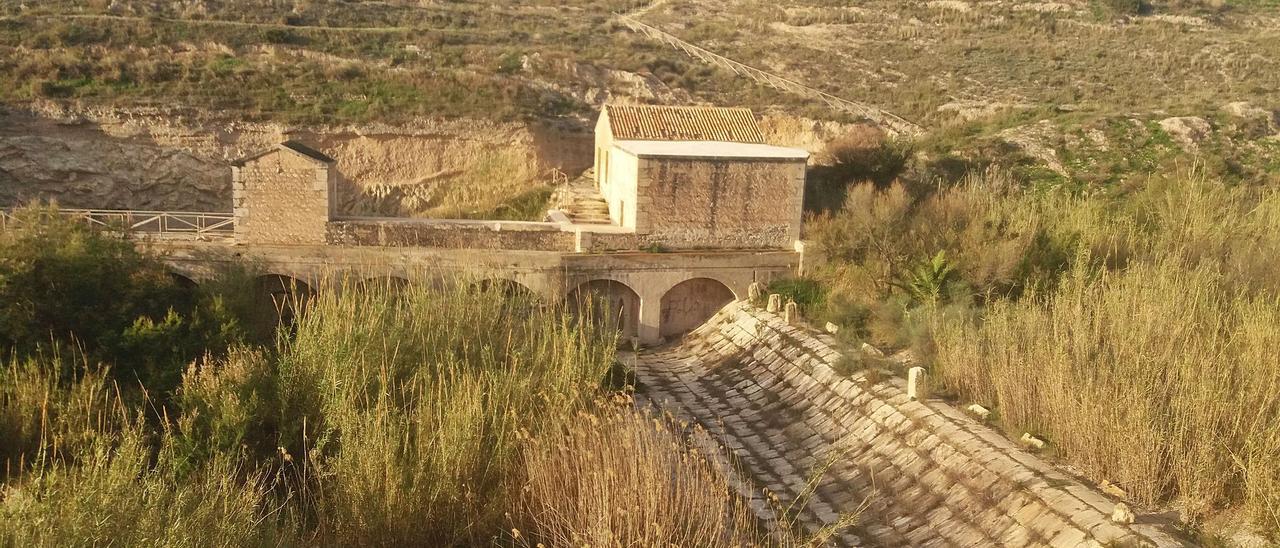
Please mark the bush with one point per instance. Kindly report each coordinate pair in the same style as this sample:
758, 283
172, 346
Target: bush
1127, 7
65, 285
863, 155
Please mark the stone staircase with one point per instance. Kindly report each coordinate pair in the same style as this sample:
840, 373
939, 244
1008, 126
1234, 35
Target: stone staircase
916, 473
581, 201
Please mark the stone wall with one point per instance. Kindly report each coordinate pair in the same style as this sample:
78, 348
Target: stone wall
450, 234
689, 203
282, 197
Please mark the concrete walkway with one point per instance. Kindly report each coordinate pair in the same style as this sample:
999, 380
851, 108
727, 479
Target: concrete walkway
921, 473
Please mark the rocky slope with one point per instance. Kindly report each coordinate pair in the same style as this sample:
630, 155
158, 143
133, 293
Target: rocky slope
180, 160
171, 159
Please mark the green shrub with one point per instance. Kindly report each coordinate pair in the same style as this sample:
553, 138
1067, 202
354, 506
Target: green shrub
1127, 7
66, 285
928, 280
808, 293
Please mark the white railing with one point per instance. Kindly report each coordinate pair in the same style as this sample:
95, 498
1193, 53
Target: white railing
558, 177
892, 123
178, 223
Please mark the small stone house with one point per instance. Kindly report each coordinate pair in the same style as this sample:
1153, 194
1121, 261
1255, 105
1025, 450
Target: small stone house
698, 177
281, 195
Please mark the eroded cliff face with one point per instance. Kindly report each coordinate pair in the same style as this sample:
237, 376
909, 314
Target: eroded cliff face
116, 162
169, 159
177, 159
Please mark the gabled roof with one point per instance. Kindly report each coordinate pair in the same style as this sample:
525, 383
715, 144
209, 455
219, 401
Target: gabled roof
668, 123
710, 149
288, 146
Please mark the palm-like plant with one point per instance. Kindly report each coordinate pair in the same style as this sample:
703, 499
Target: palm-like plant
928, 279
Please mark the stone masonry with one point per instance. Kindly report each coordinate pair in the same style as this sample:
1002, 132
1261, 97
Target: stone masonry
446, 234
696, 202
698, 178
282, 196
921, 472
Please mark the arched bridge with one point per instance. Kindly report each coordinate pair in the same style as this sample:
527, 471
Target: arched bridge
656, 294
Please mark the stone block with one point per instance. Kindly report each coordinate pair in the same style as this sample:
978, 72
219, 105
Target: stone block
1068, 538
775, 303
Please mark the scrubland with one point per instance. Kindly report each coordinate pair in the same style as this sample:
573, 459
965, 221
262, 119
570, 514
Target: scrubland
1133, 328
381, 415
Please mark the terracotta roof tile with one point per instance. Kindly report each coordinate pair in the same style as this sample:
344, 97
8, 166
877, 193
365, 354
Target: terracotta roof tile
667, 123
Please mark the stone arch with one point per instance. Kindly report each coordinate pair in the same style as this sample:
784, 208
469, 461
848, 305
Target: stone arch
519, 298
690, 304
392, 284
621, 304
183, 281
507, 287
279, 299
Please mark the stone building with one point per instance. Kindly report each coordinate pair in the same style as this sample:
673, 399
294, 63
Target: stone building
696, 181
698, 177
282, 195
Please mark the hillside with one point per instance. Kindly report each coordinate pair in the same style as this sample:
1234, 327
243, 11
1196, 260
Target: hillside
1081, 241
1058, 92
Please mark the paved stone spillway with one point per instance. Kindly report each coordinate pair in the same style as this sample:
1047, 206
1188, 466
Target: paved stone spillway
923, 473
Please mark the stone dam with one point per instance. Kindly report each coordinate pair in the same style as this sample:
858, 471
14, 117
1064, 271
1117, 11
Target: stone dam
916, 472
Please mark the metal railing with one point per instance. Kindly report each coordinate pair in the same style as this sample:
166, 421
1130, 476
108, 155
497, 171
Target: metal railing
558, 177
892, 123
177, 223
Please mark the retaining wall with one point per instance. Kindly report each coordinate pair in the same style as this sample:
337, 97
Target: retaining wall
450, 234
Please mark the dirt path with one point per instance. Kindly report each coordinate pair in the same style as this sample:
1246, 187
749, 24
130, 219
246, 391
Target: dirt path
245, 24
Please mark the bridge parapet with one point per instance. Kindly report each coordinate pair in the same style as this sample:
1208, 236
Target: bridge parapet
450, 234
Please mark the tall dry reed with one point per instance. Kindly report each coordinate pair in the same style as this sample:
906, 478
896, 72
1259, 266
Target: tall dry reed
1152, 364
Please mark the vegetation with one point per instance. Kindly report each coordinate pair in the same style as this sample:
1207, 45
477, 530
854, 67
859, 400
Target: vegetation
67, 290
1129, 327
386, 415
936, 63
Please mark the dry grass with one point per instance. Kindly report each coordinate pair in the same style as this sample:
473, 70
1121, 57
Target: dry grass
392, 416
617, 477
1157, 378
1131, 329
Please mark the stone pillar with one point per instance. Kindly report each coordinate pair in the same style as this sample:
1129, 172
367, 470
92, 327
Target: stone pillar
754, 292
811, 257
775, 303
791, 314
650, 330
915, 383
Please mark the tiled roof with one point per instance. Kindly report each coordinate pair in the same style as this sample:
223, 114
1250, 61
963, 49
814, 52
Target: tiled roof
709, 149
666, 123
307, 151
291, 146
